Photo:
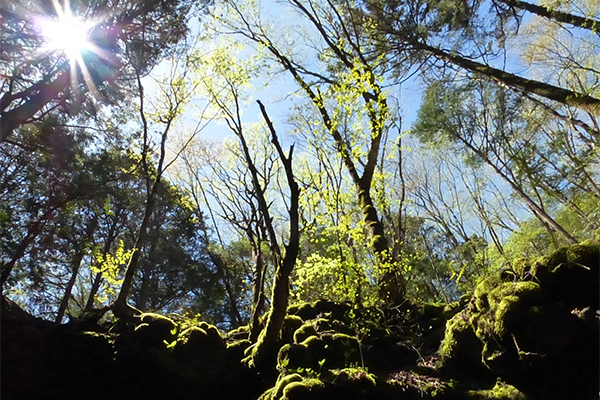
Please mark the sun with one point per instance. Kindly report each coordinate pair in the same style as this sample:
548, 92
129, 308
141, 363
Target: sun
67, 34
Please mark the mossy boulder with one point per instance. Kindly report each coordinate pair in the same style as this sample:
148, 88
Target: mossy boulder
461, 348
529, 330
500, 391
291, 324
318, 352
201, 340
306, 389
304, 332
320, 308
154, 330
346, 383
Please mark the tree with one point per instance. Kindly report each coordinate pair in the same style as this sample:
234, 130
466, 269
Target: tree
511, 146
174, 94
352, 80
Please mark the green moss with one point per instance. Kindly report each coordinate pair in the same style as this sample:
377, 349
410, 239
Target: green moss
241, 332
584, 254
302, 390
556, 259
282, 382
155, 329
291, 324
304, 332
157, 319
450, 310
345, 375
454, 328
461, 348
510, 301
300, 308
500, 391
239, 344
159, 323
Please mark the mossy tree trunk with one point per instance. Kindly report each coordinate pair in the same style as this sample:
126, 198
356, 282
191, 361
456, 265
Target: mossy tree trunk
265, 350
258, 292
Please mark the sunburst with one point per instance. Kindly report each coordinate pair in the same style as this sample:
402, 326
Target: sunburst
68, 35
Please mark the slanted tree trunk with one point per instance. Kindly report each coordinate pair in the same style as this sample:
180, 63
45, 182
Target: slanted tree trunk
34, 229
77, 259
538, 211
551, 92
234, 315
559, 16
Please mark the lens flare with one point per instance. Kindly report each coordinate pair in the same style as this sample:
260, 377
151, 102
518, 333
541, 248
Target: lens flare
67, 34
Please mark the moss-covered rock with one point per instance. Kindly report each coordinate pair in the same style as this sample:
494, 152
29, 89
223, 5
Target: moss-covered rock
500, 391
314, 310
304, 332
531, 324
307, 389
291, 324
461, 348
318, 352
155, 329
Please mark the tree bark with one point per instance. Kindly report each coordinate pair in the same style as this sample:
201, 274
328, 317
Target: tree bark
33, 231
236, 317
69, 289
10, 120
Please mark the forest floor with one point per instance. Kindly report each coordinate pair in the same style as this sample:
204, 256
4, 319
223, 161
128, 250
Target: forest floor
528, 333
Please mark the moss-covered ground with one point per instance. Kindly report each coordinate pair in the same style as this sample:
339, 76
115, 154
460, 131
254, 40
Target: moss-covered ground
531, 332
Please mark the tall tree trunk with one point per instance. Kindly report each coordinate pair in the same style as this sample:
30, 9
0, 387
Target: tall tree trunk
69, 289
121, 309
235, 316
258, 289
10, 120
83, 246
559, 16
551, 92
110, 238
89, 305
391, 281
